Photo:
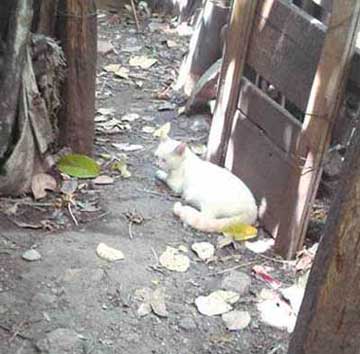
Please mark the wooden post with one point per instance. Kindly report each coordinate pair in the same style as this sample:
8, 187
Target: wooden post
77, 31
238, 34
206, 44
329, 320
324, 103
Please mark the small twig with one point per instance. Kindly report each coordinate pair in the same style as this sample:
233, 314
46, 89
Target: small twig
274, 259
131, 236
155, 255
274, 350
16, 333
135, 15
72, 215
232, 268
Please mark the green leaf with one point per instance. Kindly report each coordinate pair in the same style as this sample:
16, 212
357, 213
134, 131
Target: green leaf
80, 166
239, 231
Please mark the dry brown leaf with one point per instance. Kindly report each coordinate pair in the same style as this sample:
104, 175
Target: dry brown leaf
41, 183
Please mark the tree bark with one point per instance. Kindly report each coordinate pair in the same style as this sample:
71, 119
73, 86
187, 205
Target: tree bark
45, 13
14, 38
77, 31
329, 320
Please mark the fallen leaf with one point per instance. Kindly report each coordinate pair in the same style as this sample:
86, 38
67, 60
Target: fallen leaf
112, 67
157, 302
144, 309
223, 242
127, 147
261, 273
172, 260
106, 111
148, 129
217, 303
122, 168
183, 248
171, 44
163, 131
26, 225
259, 246
104, 47
239, 231
142, 61
31, 255
204, 250
40, 183
122, 72
103, 179
105, 156
167, 106
236, 320
130, 117
80, 166
109, 253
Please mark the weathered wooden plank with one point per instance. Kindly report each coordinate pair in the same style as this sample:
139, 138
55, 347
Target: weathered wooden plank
285, 48
354, 76
236, 44
251, 151
275, 121
323, 107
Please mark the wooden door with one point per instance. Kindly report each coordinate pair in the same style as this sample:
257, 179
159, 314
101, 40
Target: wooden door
275, 143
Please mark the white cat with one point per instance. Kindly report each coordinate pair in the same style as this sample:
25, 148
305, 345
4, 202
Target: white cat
221, 197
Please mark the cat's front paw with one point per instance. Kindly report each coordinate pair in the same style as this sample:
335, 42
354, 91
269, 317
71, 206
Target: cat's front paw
177, 208
161, 175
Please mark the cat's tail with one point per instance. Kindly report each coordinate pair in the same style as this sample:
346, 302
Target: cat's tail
201, 222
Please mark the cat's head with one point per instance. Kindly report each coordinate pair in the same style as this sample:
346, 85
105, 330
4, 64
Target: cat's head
170, 153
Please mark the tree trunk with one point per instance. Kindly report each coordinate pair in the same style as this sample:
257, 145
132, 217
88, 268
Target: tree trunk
77, 29
45, 13
328, 321
14, 38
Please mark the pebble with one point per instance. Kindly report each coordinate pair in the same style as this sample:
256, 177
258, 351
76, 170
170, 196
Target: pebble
31, 255
60, 341
237, 281
187, 324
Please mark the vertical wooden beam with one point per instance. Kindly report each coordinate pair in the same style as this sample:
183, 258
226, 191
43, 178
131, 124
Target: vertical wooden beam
77, 31
329, 321
236, 44
324, 102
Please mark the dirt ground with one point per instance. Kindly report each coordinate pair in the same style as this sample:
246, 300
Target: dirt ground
72, 301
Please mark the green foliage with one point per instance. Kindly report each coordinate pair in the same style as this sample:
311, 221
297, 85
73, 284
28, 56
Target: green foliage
80, 166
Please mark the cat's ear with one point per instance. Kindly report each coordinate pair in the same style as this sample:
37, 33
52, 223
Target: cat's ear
180, 149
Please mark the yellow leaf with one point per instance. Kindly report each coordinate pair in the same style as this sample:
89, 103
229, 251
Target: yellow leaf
163, 131
122, 168
239, 231
142, 61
